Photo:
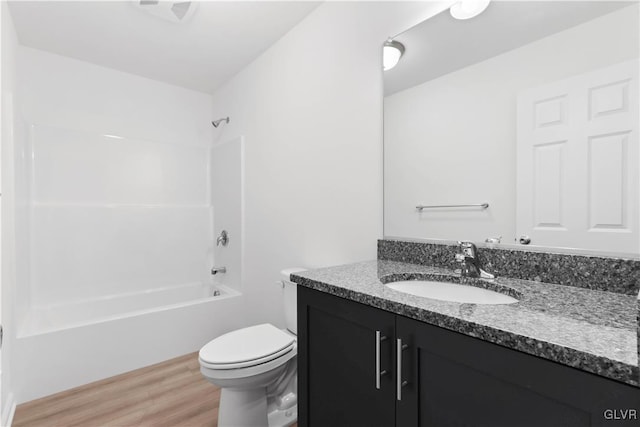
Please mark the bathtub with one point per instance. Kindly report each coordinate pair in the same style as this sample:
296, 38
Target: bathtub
71, 314
66, 345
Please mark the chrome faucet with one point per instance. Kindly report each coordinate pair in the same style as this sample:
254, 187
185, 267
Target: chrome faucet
216, 270
468, 257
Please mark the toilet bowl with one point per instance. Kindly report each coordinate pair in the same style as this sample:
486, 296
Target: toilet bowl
256, 369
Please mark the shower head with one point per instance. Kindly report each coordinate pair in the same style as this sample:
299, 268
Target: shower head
216, 123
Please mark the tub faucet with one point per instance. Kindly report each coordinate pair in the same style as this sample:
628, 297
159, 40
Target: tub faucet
468, 257
216, 270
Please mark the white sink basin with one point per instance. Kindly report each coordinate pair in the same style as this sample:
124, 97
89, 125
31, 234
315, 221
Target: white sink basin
451, 292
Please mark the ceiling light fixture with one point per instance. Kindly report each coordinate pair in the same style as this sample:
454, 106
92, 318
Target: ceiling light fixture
391, 54
466, 9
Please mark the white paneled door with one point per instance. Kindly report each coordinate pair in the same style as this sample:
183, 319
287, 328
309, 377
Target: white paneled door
578, 161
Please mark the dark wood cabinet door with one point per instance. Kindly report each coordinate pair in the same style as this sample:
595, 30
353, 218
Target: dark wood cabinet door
456, 380
337, 363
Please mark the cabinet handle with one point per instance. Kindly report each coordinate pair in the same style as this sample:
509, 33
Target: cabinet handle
379, 373
399, 383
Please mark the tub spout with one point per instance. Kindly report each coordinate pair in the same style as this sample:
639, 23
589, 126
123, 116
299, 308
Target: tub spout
216, 270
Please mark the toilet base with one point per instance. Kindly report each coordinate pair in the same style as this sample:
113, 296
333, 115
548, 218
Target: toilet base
248, 408
243, 408
283, 418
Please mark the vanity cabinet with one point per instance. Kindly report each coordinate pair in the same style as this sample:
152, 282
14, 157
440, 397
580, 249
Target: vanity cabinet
362, 366
335, 364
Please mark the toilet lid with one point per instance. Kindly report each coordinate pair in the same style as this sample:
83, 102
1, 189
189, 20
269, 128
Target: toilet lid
244, 345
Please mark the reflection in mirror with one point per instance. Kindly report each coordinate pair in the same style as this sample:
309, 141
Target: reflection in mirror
531, 107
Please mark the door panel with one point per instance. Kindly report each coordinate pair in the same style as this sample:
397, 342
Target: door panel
464, 381
463, 396
337, 369
578, 161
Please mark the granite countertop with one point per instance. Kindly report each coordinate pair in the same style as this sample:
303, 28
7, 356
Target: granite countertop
592, 330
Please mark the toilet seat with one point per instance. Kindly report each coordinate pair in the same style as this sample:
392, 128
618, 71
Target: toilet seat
220, 375
246, 347
247, 363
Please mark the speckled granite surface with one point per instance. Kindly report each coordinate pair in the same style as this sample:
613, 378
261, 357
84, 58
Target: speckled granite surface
592, 330
598, 273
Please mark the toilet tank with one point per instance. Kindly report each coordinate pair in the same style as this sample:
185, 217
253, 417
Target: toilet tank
289, 295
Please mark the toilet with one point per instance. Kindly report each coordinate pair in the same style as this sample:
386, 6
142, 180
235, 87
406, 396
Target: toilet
256, 369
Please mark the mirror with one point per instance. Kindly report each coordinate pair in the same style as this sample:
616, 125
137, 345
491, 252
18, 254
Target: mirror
532, 108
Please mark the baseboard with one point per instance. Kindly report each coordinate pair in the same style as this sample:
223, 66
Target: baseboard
8, 411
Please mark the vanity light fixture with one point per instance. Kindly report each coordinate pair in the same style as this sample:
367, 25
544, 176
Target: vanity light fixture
465, 9
391, 54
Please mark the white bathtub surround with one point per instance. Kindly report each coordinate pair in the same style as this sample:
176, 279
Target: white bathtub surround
120, 225
115, 248
119, 193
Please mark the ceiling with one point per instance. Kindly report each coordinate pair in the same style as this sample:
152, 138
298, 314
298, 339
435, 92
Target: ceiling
203, 51
443, 44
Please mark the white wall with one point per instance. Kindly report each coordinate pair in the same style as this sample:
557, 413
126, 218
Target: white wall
11, 149
310, 109
452, 140
118, 180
